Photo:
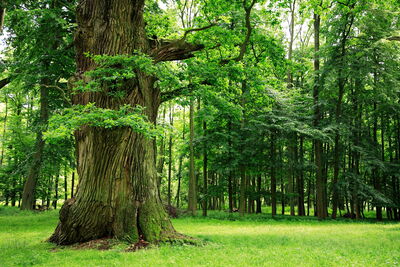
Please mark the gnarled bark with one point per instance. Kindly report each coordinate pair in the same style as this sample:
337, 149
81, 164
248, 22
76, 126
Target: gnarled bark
117, 195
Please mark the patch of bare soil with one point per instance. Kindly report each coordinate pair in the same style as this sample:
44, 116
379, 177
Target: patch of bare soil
141, 244
100, 244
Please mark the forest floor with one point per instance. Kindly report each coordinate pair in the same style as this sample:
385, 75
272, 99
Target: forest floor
256, 240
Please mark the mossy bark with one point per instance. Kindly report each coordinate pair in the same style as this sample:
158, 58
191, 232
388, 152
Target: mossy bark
117, 195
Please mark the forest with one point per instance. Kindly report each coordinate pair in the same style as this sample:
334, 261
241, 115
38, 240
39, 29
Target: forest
200, 132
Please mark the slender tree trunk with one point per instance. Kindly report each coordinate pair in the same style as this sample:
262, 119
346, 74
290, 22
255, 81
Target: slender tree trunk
118, 188
28, 195
376, 178
308, 196
282, 196
4, 132
171, 122
65, 184
13, 192
291, 172
249, 197
258, 209
221, 195
205, 167
319, 183
300, 180
2, 15
192, 178
273, 174
234, 189
178, 190
291, 41
282, 181
180, 162
243, 183
357, 109
338, 113
72, 184
326, 170
383, 181
393, 179
293, 137
336, 160
161, 154
397, 151
48, 194
242, 168
230, 185
55, 200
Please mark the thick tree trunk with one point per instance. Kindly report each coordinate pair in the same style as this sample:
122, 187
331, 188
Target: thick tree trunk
118, 193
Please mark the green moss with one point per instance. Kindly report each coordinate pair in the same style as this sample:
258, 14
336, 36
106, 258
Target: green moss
151, 221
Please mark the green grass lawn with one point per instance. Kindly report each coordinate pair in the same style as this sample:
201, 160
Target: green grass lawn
256, 240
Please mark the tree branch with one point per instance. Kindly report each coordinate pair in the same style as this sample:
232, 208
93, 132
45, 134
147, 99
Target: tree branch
394, 38
169, 50
2, 15
61, 90
166, 96
249, 29
4, 82
197, 30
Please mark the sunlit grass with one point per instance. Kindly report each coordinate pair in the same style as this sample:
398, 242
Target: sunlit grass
256, 240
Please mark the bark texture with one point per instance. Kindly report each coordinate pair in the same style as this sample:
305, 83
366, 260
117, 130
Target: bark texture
117, 195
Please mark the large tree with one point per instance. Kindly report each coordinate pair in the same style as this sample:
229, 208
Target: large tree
118, 193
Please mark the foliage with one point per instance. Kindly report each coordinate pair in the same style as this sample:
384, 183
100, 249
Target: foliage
63, 125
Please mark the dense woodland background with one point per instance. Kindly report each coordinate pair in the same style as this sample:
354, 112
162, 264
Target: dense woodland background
287, 103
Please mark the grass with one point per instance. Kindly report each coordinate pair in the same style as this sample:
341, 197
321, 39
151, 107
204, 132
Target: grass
255, 240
